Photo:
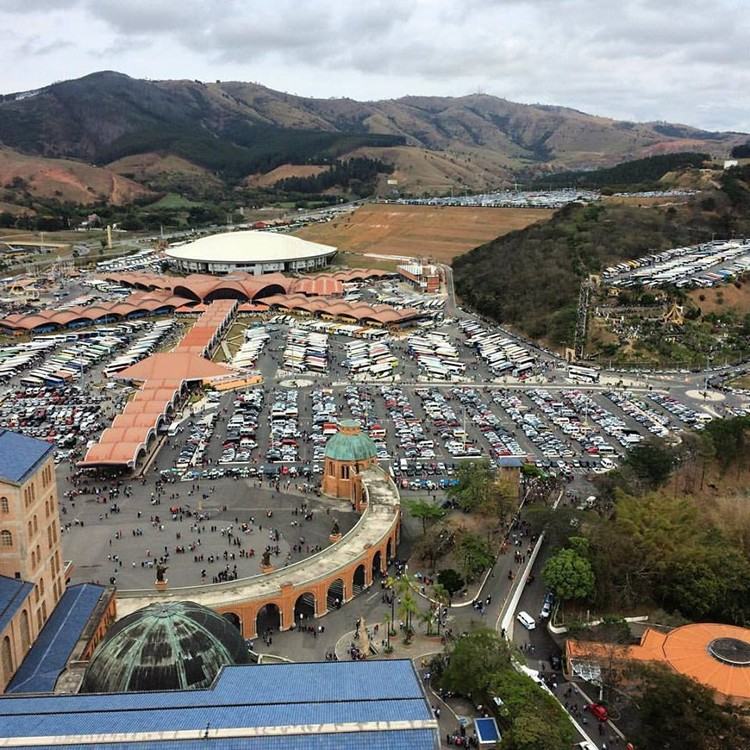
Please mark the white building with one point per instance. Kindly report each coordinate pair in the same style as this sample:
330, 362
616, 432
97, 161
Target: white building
251, 251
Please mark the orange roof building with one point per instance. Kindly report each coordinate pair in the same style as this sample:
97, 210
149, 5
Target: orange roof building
164, 377
716, 655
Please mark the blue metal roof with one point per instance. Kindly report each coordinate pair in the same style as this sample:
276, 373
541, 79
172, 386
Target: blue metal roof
13, 593
487, 731
236, 686
246, 696
19, 455
402, 739
48, 656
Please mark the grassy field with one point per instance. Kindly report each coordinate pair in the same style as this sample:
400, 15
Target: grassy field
436, 233
353, 260
741, 382
173, 200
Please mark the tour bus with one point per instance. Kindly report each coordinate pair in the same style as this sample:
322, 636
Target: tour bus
588, 374
31, 381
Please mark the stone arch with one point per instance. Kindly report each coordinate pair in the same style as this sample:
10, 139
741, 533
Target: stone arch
269, 617
389, 550
359, 579
234, 618
334, 593
377, 564
304, 607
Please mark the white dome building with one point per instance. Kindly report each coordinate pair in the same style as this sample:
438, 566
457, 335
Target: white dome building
253, 252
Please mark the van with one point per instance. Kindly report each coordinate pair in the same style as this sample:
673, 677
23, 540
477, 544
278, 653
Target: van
526, 620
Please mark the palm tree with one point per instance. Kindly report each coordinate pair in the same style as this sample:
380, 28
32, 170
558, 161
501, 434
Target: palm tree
406, 611
442, 597
426, 617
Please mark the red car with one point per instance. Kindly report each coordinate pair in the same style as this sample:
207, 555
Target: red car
599, 711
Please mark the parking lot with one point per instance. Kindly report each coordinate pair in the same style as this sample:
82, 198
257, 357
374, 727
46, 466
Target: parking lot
430, 396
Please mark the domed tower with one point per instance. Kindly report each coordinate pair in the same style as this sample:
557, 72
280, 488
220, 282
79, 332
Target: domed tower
346, 454
175, 646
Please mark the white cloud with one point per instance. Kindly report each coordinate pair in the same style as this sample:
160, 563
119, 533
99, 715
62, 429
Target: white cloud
678, 60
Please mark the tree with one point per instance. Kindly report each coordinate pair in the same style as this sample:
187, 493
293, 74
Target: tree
535, 720
651, 461
451, 580
473, 662
475, 554
569, 575
474, 480
442, 597
424, 510
676, 712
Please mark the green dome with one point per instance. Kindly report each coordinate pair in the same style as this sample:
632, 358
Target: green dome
350, 443
176, 646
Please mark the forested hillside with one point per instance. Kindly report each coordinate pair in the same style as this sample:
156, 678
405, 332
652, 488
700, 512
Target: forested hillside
531, 279
640, 174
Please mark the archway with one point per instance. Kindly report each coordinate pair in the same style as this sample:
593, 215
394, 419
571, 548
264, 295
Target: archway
358, 582
335, 596
376, 562
388, 552
234, 619
268, 618
304, 608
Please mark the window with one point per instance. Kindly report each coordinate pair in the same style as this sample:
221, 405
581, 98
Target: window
30, 529
25, 631
36, 524
7, 658
33, 559
4, 505
41, 586
6, 538
46, 508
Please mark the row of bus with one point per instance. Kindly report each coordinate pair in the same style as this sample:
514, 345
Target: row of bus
18, 357
254, 343
143, 347
306, 351
502, 354
436, 356
71, 362
372, 359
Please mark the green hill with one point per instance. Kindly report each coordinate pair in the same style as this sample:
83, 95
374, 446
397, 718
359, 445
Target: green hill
639, 174
531, 279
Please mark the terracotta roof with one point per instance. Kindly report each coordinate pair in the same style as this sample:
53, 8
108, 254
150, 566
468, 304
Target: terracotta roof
178, 364
690, 650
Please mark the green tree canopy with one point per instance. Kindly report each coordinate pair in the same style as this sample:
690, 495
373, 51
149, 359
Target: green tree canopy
451, 580
570, 575
651, 461
677, 713
474, 662
425, 511
474, 553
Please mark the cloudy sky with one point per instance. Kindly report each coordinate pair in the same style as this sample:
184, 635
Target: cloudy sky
677, 60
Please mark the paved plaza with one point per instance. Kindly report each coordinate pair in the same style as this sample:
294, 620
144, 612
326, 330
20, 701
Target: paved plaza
105, 543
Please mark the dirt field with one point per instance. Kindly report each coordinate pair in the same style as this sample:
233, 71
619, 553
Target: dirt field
737, 299
438, 234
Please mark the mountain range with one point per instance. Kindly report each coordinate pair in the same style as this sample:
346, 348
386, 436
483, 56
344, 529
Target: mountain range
237, 132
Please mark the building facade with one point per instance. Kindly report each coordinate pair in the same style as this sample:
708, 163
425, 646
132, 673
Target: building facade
347, 453
30, 547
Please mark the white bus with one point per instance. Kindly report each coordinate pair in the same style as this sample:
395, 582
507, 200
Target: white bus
587, 374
